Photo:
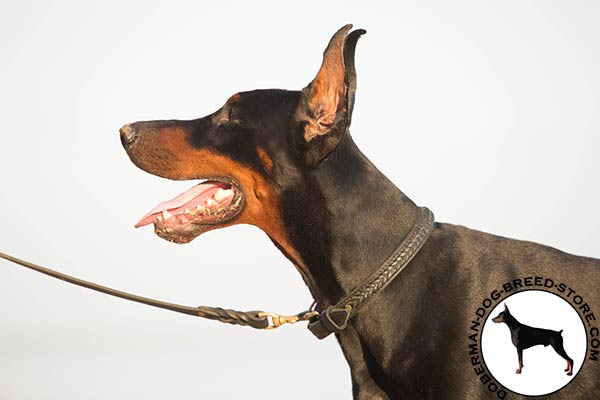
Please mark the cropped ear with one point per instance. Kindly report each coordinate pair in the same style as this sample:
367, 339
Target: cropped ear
506, 308
326, 105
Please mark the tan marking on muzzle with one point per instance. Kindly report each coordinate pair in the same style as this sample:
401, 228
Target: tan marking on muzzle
168, 153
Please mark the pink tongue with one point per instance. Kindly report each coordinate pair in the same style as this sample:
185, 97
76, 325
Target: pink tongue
198, 194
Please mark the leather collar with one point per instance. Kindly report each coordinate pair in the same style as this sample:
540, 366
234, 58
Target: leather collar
335, 318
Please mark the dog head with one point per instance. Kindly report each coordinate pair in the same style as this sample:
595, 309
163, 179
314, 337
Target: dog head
502, 316
253, 155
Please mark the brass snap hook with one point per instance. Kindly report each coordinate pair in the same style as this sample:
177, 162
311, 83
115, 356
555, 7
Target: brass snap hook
276, 320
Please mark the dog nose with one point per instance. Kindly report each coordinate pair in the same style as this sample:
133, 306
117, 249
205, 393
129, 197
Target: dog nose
128, 134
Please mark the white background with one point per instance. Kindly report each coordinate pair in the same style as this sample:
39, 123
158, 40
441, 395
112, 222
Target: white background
498, 104
543, 369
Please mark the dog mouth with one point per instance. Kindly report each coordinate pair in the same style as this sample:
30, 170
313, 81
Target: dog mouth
198, 209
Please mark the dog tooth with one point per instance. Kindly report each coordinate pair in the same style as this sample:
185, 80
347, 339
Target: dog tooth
160, 218
211, 203
166, 215
222, 194
218, 195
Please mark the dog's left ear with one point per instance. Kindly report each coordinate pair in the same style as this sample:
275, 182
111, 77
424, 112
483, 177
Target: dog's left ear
326, 106
506, 308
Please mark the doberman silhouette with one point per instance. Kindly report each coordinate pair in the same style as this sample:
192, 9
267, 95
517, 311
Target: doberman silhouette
524, 337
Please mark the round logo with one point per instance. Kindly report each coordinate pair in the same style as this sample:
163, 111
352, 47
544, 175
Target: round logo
533, 342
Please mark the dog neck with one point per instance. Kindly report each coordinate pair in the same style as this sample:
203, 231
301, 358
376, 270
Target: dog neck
511, 321
362, 218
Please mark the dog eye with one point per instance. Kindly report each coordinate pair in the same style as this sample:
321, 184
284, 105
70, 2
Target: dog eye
233, 117
232, 114
225, 117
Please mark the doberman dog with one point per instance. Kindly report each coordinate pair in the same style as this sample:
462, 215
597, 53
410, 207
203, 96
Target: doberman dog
524, 337
285, 162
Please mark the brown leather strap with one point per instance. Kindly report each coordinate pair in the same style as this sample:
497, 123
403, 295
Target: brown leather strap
335, 318
254, 319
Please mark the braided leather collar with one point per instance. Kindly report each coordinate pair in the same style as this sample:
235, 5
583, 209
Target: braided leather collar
335, 318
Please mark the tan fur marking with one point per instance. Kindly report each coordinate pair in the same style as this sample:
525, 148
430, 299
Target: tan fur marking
265, 159
167, 153
233, 99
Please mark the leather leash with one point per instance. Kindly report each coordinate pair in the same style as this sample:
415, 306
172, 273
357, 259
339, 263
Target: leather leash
254, 319
321, 324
